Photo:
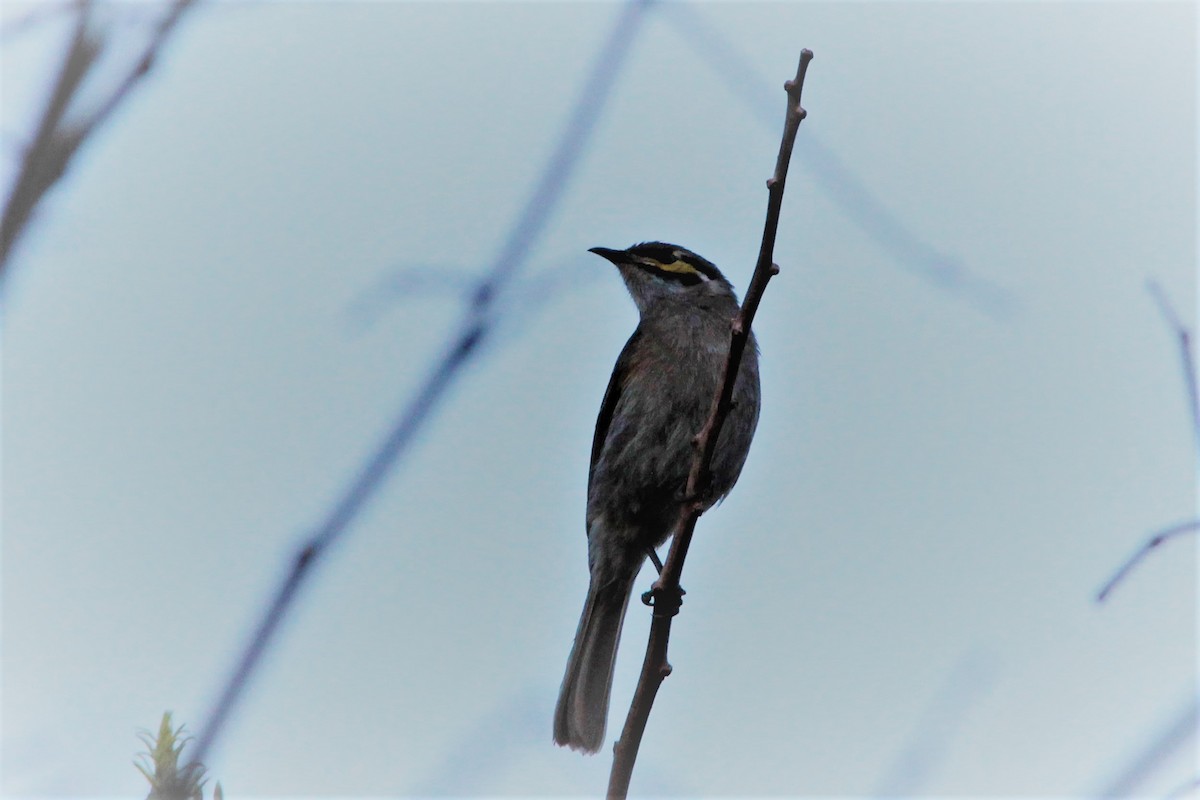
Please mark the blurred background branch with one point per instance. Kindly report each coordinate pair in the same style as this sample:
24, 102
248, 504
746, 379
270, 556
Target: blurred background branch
1187, 358
1170, 737
1187, 362
522, 299
60, 135
1143, 550
474, 331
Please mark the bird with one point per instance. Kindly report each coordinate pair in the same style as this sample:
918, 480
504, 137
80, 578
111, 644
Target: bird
658, 398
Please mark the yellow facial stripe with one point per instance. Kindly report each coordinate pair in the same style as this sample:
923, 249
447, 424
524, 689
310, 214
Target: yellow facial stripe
677, 266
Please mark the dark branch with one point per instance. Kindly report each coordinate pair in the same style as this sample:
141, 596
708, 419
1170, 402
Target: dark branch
1186, 356
475, 329
141, 67
1184, 336
666, 595
1166, 534
47, 155
56, 141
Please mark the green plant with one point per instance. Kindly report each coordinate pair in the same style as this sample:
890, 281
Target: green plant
160, 765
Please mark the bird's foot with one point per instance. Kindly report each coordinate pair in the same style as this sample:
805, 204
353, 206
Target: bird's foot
654, 559
656, 593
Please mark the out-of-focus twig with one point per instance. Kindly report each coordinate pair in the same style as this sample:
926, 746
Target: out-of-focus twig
475, 329
1143, 550
1187, 363
666, 593
1172, 736
48, 153
1187, 358
523, 299
939, 726
414, 282
57, 139
141, 67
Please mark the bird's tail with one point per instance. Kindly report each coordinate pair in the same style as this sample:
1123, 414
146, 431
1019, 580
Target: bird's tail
582, 710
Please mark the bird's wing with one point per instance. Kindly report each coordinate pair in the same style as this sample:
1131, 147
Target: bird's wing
612, 396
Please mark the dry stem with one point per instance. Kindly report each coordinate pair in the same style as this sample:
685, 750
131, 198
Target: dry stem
1184, 337
57, 140
665, 593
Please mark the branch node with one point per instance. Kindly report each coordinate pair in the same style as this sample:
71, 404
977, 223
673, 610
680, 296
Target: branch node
1191, 526
771, 181
306, 554
774, 268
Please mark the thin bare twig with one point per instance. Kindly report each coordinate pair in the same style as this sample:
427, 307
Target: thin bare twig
1186, 356
665, 593
475, 329
1188, 365
141, 68
1144, 549
49, 154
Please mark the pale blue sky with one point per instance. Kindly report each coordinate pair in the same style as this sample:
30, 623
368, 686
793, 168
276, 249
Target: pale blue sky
201, 345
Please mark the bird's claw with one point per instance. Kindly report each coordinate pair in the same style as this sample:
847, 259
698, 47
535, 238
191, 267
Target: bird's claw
649, 597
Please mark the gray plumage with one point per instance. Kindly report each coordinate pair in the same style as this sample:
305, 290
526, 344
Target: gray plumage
658, 398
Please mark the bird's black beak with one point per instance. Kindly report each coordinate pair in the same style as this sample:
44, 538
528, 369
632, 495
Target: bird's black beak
615, 256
